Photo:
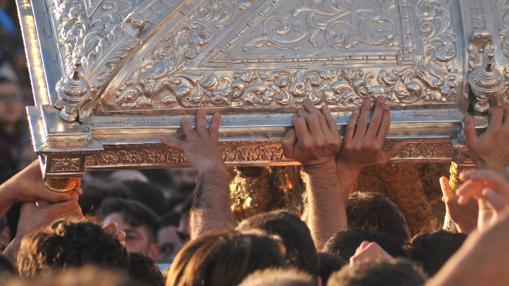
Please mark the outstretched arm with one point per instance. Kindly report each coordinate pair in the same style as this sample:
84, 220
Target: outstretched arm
210, 208
363, 144
27, 186
315, 142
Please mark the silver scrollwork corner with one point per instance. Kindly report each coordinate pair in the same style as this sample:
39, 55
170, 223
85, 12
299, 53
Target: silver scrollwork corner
486, 82
73, 91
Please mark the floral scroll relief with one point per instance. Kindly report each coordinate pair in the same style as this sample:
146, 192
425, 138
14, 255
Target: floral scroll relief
162, 83
332, 24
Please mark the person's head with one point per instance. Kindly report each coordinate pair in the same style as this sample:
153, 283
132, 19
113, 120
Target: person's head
12, 105
373, 211
143, 270
128, 175
432, 250
182, 177
83, 276
328, 264
225, 258
146, 193
66, 243
139, 223
379, 272
95, 190
301, 252
168, 237
344, 243
279, 277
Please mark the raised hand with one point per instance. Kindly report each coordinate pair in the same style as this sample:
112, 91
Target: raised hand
35, 215
364, 141
27, 186
490, 149
491, 191
315, 143
315, 139
210, 210
464, 216
200, 143
488, 184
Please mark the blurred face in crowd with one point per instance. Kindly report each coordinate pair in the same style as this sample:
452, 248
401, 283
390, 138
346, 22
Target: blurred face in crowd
12, 107
138, 239
169, 243
183, 177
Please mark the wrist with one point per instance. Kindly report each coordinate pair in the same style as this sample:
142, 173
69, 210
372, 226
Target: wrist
217, 169
319, 166
348, 168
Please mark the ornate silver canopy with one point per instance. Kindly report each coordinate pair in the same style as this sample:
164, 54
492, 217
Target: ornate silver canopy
111, 77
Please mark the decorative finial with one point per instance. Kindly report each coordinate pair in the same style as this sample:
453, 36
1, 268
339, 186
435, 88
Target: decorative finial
486, 82
73, 91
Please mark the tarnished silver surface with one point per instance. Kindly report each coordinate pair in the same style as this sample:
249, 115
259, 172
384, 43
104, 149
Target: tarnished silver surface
147, 63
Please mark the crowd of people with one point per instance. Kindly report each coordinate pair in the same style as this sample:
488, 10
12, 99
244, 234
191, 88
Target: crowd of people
122, 229
175, 227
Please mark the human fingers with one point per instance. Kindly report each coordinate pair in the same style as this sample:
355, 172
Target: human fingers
54, 197
496, 119
315, 127
121, 236
470, 133
331, 123
201, 122
363, 122
301, 129
110, 228
310, 107
172, 143
350, 128
394, 151
506, 115
489, 179
497, 201
187, 128
469, 190
288, 141
376, 119
447, 192
385, 126
363, 245
214, 126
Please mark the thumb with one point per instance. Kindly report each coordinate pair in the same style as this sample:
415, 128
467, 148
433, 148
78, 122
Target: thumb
447, 192
288, 141
53, 197
395, 150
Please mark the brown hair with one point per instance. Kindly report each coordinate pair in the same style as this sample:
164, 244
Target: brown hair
224, 259
295, 234
279, 277
379, 272
432, 250
375, 212
67, 243
86, 276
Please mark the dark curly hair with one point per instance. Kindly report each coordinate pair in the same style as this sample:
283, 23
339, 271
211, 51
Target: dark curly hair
67, 243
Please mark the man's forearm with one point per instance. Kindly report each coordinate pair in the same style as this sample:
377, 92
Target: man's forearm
6, 200
326, 204
348, 177
210, 209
